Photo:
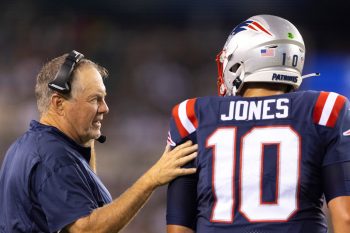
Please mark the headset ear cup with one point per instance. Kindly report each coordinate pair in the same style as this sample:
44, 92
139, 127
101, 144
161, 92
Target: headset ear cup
61, 82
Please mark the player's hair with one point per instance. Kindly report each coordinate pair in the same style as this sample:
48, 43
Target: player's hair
265, 85
48, 73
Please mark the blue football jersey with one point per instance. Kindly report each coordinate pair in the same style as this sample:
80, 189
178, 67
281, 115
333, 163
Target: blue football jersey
263, 162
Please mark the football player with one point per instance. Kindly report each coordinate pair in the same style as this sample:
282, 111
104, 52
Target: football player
268, 155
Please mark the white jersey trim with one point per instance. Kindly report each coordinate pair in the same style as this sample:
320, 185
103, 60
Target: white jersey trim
327, 109
186, 123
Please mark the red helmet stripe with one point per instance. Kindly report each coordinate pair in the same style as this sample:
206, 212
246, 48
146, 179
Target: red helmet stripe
261, 28
251, 27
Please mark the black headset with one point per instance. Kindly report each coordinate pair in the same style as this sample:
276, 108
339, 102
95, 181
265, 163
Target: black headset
62, 81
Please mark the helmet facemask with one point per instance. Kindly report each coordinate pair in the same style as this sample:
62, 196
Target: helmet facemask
234, 74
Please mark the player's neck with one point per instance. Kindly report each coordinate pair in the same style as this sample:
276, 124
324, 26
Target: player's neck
256, 92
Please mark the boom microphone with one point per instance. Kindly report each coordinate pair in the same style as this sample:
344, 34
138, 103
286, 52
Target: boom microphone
101, 138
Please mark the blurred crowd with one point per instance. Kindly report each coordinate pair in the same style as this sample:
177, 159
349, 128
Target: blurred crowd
152, 66
150, 70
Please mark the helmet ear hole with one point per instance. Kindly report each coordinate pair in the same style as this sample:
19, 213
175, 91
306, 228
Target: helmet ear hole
235, 67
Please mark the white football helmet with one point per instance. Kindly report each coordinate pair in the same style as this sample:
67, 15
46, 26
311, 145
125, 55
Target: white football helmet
264, 48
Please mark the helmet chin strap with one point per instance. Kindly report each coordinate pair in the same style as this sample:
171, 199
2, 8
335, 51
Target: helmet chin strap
310, 75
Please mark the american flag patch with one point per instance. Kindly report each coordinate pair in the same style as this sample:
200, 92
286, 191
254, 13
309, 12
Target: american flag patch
268, 52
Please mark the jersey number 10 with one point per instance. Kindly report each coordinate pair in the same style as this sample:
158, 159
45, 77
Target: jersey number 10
223, 143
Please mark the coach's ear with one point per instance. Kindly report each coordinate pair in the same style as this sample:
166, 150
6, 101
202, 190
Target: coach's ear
57, 104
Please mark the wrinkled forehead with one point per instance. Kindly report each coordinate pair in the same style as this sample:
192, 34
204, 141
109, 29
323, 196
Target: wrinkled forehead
88, 80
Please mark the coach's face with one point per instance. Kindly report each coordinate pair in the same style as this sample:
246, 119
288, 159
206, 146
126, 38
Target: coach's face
85, 109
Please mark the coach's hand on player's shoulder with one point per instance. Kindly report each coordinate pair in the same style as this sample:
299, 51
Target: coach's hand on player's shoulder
169, 166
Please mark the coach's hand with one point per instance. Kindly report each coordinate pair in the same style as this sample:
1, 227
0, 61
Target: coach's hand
116, 215
169, 166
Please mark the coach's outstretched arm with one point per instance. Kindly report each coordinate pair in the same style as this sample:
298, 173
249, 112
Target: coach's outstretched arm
114, 216
178, 229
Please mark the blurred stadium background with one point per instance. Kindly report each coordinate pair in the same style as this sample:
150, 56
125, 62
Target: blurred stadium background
158, 53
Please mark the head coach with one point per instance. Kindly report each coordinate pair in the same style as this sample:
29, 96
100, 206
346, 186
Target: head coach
47, 179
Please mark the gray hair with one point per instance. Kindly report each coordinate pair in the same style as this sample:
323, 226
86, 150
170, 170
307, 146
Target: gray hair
48, 73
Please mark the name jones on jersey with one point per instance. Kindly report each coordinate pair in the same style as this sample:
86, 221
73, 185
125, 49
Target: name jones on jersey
243, 110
